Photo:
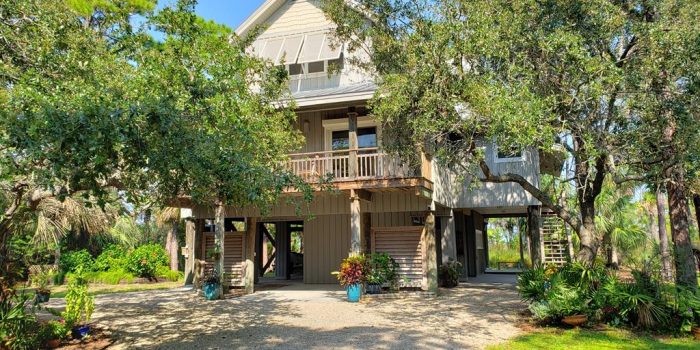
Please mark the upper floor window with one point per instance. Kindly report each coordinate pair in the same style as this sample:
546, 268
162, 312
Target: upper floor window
508, 154
316, 68
366, 138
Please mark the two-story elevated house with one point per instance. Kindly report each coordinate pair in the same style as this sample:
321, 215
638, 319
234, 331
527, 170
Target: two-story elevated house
420, 215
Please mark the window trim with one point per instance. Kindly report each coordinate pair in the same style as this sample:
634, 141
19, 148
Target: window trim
341, 124
498, 159
305, 69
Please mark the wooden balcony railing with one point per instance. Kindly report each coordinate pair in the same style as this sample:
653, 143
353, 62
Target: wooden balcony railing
350, 165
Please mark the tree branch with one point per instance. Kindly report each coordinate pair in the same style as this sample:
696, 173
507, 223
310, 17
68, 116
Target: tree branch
562, 212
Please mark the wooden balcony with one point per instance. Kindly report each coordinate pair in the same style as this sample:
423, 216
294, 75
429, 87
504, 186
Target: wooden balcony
361, 168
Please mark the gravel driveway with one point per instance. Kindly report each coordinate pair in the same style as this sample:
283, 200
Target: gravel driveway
308, 317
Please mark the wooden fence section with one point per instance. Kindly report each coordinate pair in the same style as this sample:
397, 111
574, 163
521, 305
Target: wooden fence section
363, 164
233, 256
404, 245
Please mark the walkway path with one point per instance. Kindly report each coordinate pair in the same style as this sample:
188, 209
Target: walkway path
308, 317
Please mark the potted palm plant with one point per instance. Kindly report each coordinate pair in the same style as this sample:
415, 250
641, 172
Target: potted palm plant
352, 275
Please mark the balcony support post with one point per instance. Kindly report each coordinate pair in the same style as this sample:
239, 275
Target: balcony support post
429, 250
251, 229
352, 136
356, 224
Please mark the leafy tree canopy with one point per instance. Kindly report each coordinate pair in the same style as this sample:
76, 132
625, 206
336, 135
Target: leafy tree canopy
525, 73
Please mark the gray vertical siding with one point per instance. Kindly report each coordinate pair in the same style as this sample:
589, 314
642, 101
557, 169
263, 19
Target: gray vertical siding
326, 244
451, 192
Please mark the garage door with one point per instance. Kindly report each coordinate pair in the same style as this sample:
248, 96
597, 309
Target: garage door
233, 256
404, 245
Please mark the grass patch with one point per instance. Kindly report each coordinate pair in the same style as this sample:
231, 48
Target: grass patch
500, 253
98, 289
109, 277
583, 339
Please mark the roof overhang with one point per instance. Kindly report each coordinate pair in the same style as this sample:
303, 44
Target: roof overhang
321, 100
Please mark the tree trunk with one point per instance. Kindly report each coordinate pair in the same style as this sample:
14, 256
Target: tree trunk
587, 236
588, 189
696, 204
219, 243
666, 272
172, 246
534, 234
686, 270
611, 260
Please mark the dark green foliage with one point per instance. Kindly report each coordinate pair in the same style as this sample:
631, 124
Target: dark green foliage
533, 283
145, 260
382, 268
112, 257
18, 324
644, 302
168, 274
53, 330
77, 260
449, 273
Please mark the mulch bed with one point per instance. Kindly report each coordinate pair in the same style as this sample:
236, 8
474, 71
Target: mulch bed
99, 338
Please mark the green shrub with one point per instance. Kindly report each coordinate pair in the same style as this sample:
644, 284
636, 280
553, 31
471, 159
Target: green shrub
382, 268
53, 330
145, 260
75, 260
168, 274
59, 277
645, 302
449, 273
79, 304
18, 324
533, 283
113, 276
113, 257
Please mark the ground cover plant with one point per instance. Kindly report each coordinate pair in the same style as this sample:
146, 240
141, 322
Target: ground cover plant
641, 302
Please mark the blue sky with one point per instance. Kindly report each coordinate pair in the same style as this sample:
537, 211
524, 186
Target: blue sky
228, 12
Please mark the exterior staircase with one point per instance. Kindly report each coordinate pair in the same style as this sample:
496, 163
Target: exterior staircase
556, 242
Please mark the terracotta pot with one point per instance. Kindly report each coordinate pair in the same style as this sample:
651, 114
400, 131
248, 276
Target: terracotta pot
696, 332
575, 320
53, 343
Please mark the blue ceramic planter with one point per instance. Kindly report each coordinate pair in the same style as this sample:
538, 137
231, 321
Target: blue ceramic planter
211, 291
354, 292
81, 331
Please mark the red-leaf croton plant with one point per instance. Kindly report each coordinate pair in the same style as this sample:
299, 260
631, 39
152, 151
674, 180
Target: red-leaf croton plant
352, 270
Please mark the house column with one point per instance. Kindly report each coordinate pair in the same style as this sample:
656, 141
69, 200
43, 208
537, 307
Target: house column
449, 238
259, 249
352, 138
355, 224
197, 252
190, 237
535, 234
282, 247
219, 246
251, 228
429, 250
